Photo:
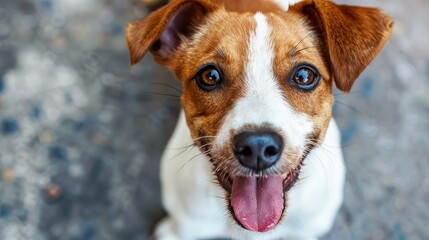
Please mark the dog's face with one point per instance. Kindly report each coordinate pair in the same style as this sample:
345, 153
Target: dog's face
257, 87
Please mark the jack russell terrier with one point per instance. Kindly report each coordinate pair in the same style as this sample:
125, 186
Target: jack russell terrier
257, 102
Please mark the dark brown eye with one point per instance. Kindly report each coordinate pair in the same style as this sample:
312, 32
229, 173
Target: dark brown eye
305, 77
209, 77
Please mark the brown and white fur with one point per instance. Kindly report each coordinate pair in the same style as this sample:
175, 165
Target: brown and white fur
257, 47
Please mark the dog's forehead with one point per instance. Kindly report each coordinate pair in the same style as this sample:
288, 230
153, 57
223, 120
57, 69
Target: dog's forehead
232, 31
227, 35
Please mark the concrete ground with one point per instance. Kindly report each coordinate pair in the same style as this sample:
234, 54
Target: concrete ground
81, 133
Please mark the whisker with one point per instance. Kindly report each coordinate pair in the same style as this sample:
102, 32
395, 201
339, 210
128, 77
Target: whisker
189, 160
203, 146
182, 151
302, 49
214, 196
162, 94
199, 154
299, 41
189, 147
347, 106
169, 86
180, 148
203, 137
330, 154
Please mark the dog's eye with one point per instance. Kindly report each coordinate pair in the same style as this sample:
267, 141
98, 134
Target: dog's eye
305, 77
209, 77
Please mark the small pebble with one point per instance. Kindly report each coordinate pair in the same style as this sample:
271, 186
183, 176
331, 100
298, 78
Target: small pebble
53, 192
9, 126
57, 152
5, 210
35, 113
58, 43
76, 170
8, 175
46, 137
97, 138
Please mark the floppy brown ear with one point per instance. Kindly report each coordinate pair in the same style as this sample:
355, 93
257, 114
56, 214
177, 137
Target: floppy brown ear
353, 36
162, 31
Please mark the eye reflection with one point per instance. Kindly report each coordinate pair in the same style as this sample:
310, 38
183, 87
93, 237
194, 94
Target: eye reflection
305, 77
209, 77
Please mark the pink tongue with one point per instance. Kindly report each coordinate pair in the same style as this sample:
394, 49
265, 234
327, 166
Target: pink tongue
257, 202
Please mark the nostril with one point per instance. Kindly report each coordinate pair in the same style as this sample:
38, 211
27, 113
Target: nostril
271, 151
245, 151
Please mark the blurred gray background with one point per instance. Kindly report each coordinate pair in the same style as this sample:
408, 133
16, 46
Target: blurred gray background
81, 132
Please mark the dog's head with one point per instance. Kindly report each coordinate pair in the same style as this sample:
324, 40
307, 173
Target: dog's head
257, 85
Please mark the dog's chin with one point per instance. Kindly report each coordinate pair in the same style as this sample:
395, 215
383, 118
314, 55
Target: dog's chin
258, 203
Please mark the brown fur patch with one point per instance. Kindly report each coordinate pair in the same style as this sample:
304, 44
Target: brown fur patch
249, 6
205, 111
352, 36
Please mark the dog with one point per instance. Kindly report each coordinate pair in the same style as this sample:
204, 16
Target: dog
257, 101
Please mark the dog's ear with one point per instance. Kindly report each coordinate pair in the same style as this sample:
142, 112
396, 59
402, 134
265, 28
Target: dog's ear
352, 36
162, 31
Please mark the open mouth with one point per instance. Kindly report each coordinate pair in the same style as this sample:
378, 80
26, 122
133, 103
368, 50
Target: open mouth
257, 203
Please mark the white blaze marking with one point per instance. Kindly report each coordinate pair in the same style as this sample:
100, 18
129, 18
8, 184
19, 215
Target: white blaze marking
263, 101
286, 3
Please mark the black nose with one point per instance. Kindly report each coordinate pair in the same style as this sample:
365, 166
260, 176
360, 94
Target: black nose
258, 150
